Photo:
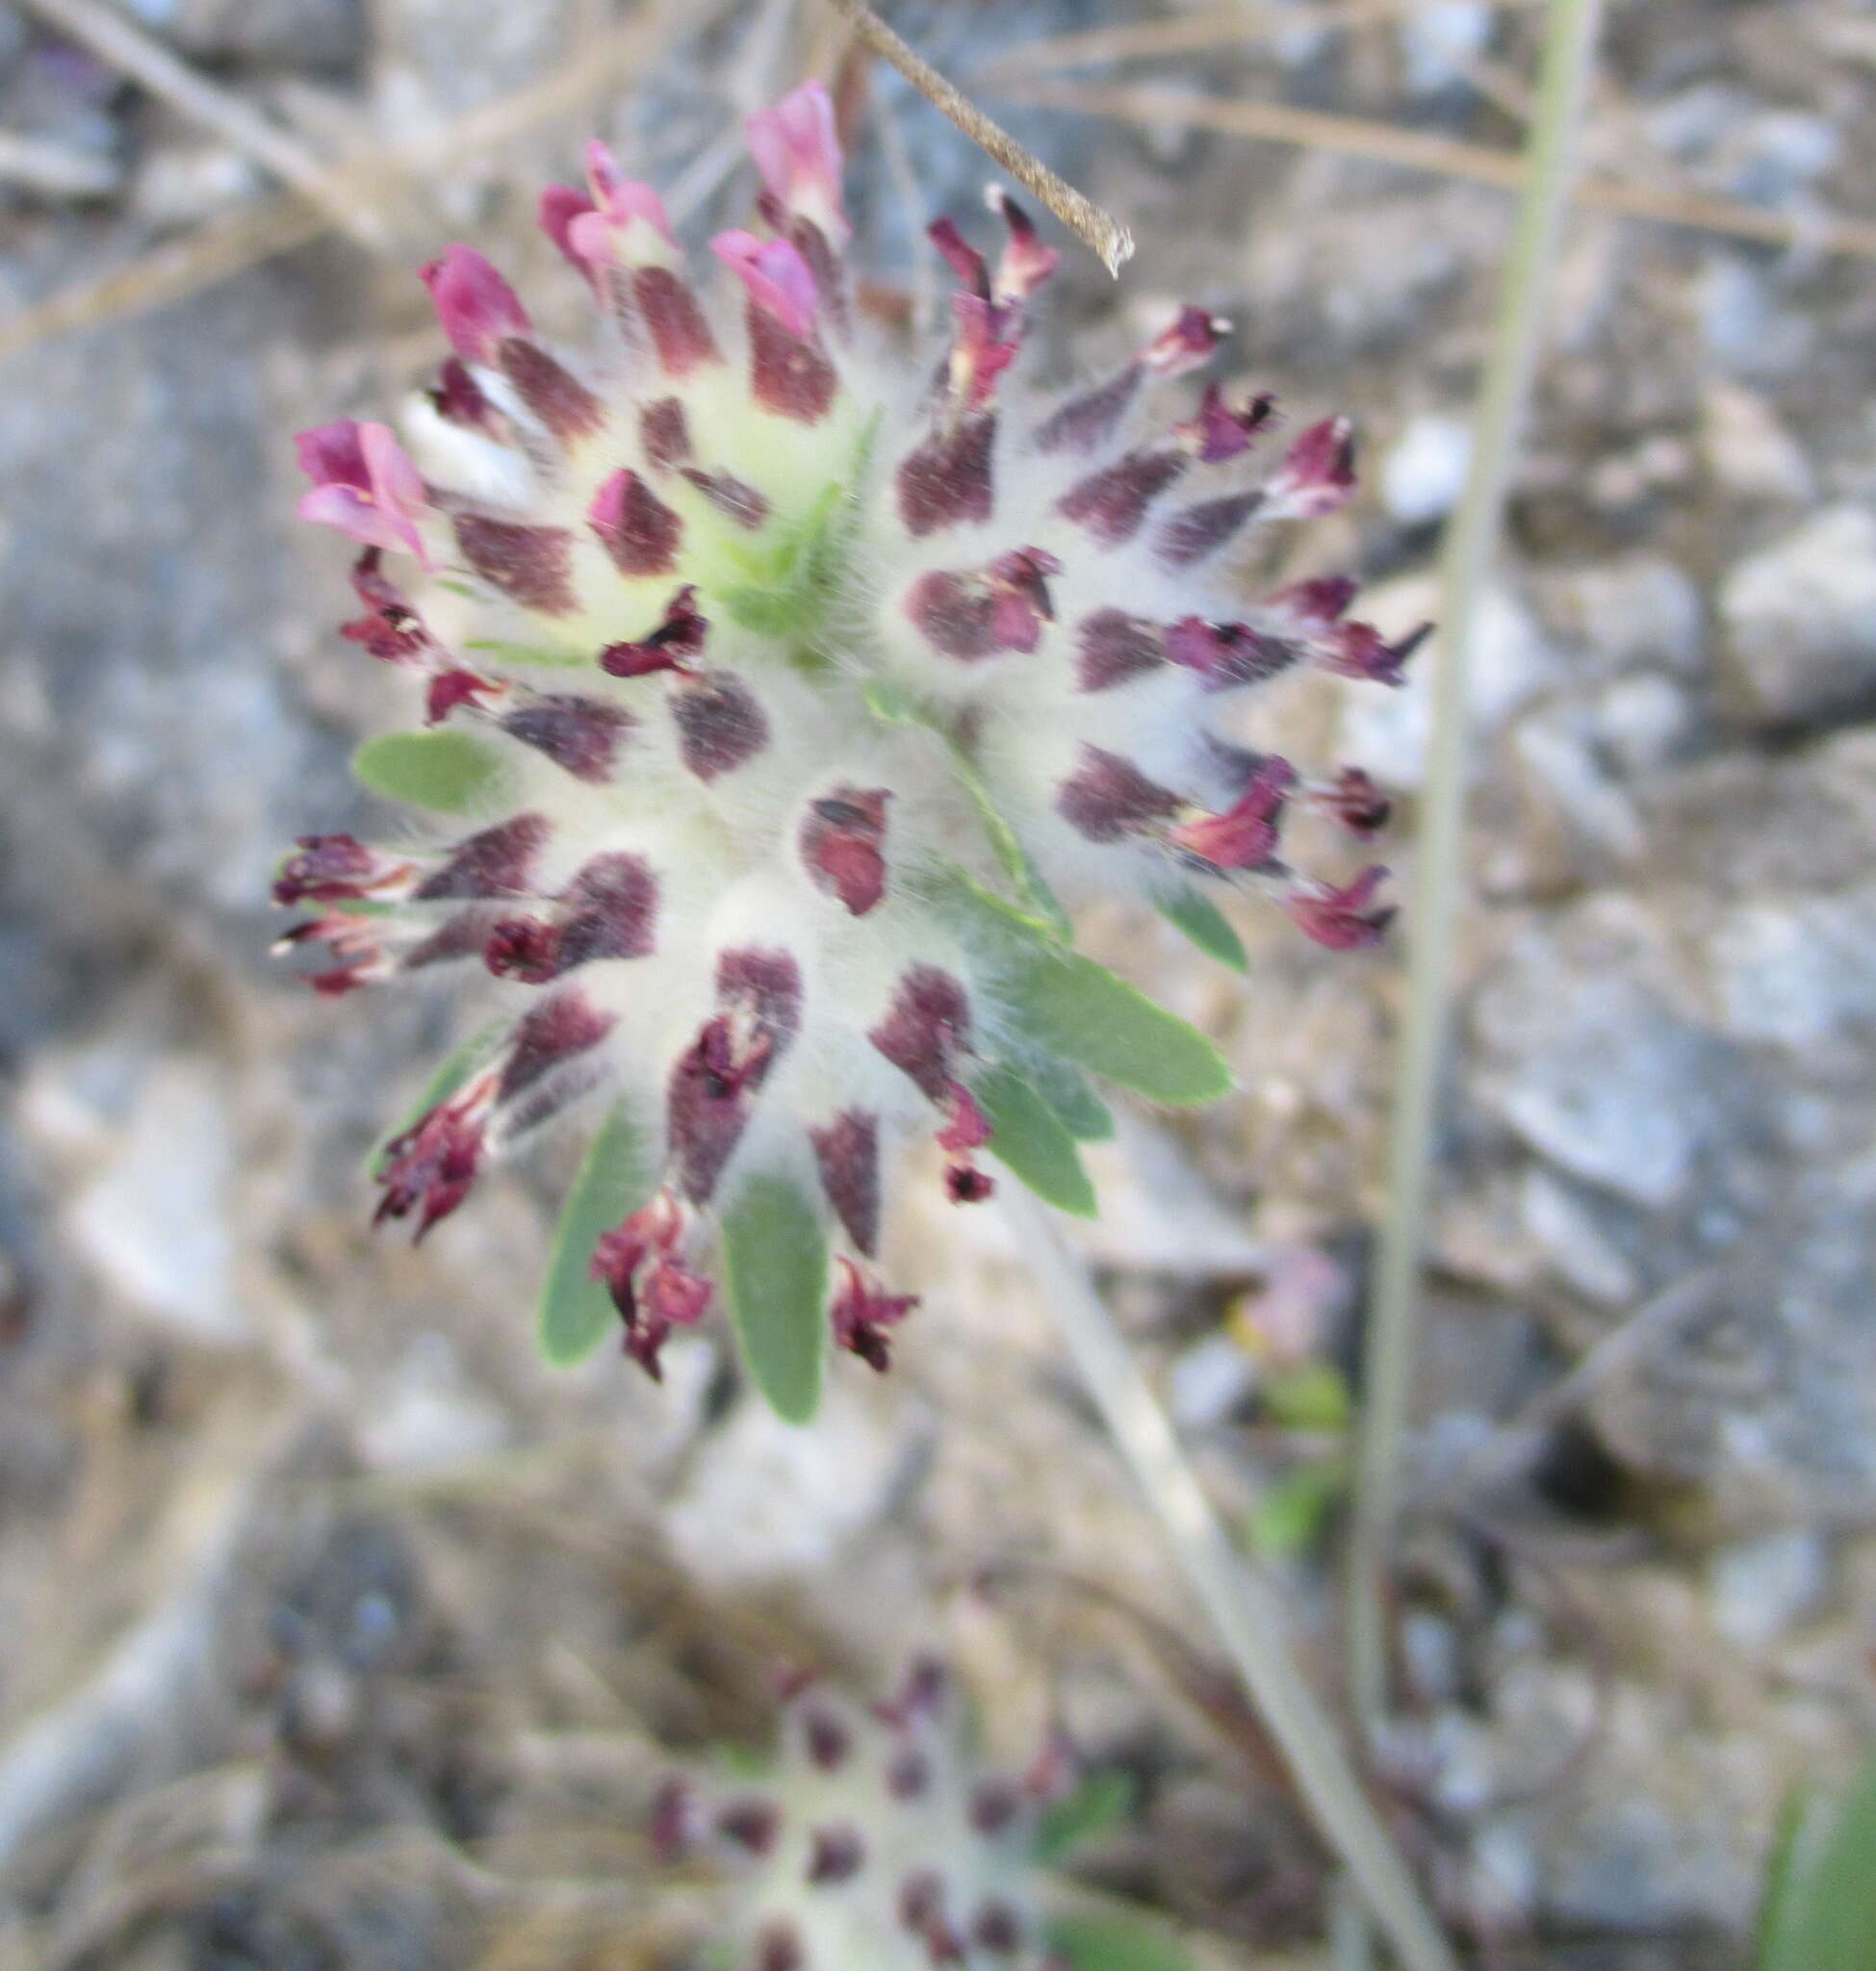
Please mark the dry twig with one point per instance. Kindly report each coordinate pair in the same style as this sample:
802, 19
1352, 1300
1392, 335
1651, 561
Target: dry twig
127, 48
1109, 239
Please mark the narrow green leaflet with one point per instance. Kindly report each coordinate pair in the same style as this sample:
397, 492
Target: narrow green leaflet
890, 701
1099, 1805
452, 1072
451, 772
615, 1177
1194, 914
1067, 1091
532, 654
1117, 1943
1072, 1007
1030, 1138
1291, 1511
775, 1260
1312, 1396
797, 595
1823, 1915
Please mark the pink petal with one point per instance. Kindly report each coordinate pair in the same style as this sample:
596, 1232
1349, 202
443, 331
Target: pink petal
798, 154
477, 308
332, 455
776, 276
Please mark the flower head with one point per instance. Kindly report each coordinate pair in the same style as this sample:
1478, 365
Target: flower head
778, 697
873, 1842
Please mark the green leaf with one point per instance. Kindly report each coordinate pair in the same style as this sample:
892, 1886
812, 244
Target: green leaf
1100, 1804
615, 1177
769, 612
892, 703
775, 1259
1117, 1943
1072, 1007
451, 1073
530, 654
1312, 1395
792, 599
1190, 912
1067, 1091
1823, 1918
1290, 1514
1034, 1142
448, 770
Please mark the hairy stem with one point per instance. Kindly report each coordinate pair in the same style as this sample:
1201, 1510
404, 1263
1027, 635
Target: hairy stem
1109, 240
1433, 905
1243, 1607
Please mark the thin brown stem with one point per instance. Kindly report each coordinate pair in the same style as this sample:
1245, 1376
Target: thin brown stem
1105, 236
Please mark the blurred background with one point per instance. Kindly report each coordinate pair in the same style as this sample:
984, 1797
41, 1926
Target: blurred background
338, 1635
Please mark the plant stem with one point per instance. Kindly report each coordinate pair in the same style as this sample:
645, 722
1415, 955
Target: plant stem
1101, 231
1244, 1608
1432, 905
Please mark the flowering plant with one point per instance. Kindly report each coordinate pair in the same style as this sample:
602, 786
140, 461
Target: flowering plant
874, 1839
781, 696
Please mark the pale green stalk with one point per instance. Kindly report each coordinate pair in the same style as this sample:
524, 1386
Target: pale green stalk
1246, 1609
1433, 900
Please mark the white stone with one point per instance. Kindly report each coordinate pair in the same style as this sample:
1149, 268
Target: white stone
1423, 470
766, 1501
1760, 1588
1800, 618
154, 1221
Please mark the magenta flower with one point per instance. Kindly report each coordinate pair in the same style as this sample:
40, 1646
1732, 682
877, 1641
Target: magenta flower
779, 703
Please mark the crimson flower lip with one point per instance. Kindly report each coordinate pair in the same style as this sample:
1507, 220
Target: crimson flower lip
773, 702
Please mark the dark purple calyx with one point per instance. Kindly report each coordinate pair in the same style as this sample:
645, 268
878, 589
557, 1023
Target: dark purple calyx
732, 498
670, 647
1227, 654
550, 1035
926, 1027
680, 336
843, 843
1345, 919
665, 432
1216, 432
1112, 647
555, 396
714, 1085
788, 373
431, 1168
720, 725
640, 1262
457, 399
751, 1824
1203, 529
634, 526
975, 613
532, 566
834, 1854
1087, 421
1353, 800
580, 735
1110, 504
1358, 649
330, 869
863, 1314
949, 477
1107, 798
390, 629
847, 1150
609, 911
1245, 835
1317, 473
498, 861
